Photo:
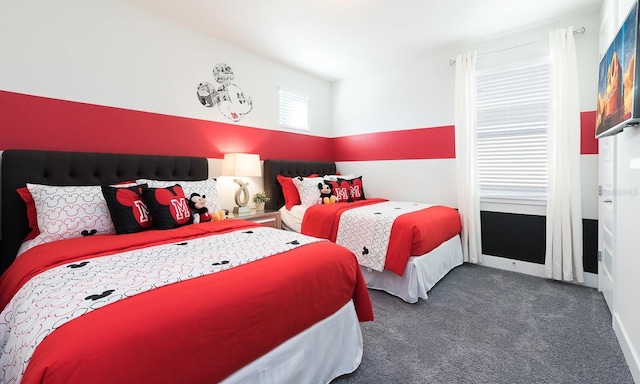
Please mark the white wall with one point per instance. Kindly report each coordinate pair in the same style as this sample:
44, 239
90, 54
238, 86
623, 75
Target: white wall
414, 94
420, 93
626, 284
422, 181
115, 54
112, 53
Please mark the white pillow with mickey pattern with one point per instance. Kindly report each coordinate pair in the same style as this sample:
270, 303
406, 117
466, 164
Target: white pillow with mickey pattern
65, 212
308, 189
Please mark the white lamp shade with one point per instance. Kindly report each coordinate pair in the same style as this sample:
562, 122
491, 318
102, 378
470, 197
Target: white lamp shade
241, 164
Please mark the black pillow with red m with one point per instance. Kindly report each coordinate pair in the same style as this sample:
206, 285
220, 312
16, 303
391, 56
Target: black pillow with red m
128, 210
168, 207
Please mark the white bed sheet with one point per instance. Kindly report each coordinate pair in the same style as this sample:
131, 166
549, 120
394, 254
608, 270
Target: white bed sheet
296, 360
24, 247
292, 218
420, 274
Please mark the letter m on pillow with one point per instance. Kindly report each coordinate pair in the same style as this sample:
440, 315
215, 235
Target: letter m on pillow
355, 191
341, 190
143, 211
181, 208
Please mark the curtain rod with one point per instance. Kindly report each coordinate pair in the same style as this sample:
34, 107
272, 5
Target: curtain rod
579, 31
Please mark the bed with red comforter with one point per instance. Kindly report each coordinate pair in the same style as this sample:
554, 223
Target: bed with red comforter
126, 320
404, 248
412, 234
202, 303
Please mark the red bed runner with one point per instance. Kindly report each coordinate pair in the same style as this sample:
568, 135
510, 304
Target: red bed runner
412, 234
198, 330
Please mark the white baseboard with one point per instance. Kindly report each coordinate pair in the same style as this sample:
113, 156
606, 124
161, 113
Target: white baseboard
533, 269
630, 354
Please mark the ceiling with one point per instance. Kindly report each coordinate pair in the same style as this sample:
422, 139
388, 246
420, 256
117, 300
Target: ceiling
332, 39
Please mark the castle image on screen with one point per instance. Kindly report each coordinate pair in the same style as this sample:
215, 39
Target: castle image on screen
616, 80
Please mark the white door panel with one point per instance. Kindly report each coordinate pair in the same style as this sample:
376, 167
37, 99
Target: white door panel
606, 220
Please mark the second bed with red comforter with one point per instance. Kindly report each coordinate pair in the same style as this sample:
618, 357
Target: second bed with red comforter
413, 234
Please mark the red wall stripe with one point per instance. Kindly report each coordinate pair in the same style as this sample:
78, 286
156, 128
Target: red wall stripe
588, 141
429, 143
33, 122
422, 143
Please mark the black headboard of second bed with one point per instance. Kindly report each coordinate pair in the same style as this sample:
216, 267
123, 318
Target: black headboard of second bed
77, 168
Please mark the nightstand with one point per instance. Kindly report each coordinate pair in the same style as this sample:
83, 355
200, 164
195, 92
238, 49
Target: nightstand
267, 217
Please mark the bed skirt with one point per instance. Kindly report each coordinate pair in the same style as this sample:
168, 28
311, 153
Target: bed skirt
337, 338
420, 274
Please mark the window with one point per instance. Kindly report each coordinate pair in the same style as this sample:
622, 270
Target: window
513, 109
293, 110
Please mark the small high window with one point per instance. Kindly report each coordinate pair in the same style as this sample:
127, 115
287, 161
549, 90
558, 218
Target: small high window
293, 110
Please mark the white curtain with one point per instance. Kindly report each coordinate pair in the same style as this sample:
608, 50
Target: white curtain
563, 256
465, 129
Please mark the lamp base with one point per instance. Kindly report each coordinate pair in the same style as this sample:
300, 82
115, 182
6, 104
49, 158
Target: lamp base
241, 210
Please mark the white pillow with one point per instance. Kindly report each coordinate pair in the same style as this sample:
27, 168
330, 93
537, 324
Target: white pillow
336, 177
206, 187
69, 211
308, 189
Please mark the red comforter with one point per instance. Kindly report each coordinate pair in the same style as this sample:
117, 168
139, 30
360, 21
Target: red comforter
197, 330
412, 234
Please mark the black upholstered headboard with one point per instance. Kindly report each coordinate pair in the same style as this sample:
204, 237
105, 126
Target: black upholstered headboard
290, 168
77, 168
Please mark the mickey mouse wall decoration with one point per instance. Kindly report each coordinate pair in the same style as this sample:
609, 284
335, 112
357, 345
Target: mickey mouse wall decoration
229, 97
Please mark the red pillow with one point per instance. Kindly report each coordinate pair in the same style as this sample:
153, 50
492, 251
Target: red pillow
290, 192
340, 190
31, 213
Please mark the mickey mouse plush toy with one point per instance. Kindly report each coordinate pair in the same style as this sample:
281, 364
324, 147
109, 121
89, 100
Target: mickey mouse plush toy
199, 210
326, 193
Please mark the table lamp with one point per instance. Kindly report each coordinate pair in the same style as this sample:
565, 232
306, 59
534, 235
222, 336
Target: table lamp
241, 165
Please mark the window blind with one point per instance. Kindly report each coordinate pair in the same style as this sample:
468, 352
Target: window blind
293, 110
513, 109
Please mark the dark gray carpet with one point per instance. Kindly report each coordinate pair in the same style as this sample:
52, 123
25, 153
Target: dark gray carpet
484, 325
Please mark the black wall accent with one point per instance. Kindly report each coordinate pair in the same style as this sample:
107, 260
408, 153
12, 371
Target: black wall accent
522, 237
514, 236
590, 245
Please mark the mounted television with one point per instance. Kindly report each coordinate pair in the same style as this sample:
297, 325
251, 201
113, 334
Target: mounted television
618, 99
